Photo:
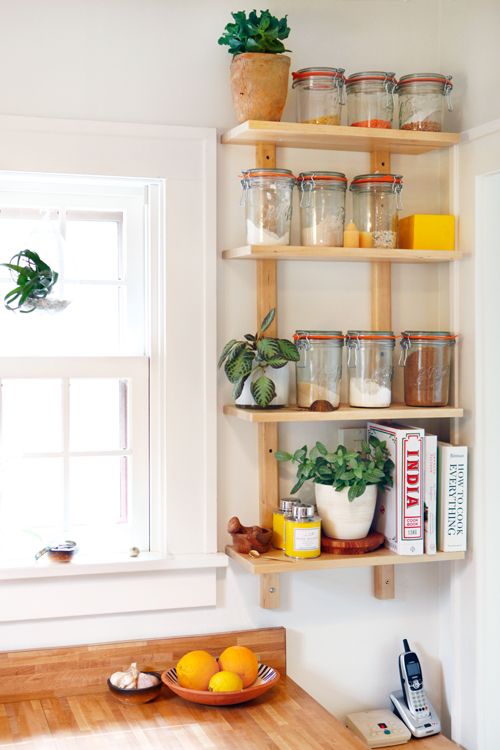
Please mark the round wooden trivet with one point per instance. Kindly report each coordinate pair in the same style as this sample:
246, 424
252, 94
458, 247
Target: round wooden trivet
352, 546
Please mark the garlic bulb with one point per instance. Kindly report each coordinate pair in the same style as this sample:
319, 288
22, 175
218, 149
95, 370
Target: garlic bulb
146, 680
126, 680
133, 679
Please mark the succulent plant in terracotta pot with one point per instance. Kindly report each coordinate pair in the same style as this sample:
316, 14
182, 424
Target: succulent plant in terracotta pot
259, 70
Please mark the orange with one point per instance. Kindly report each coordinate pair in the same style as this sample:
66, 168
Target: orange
195, 669
225, 682
241, 660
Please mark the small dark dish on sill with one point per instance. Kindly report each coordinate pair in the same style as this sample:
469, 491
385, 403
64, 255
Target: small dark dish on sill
135, 696
61, 553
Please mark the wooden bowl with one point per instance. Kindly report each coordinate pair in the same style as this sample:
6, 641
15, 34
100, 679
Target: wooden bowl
267, 677
253, 539
135, 696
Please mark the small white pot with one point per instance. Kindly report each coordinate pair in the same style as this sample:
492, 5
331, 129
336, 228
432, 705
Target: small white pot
341, 519
280, 378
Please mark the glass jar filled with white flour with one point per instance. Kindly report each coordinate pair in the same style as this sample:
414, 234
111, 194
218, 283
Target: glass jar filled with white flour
319, 369
322, 208
375, 203
370, 367
267, 196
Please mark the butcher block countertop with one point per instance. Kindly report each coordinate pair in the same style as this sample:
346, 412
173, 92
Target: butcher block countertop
57, 699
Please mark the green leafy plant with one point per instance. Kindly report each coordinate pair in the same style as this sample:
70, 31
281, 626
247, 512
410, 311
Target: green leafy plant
251, 356
257, 33
342, 468
34, 281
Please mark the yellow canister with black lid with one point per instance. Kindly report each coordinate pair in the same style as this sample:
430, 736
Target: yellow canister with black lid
303, 533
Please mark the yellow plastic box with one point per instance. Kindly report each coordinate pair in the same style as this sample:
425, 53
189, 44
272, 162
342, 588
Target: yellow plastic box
427, 232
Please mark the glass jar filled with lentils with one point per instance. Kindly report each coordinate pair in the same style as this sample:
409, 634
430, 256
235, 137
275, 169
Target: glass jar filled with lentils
370, 99
422, 98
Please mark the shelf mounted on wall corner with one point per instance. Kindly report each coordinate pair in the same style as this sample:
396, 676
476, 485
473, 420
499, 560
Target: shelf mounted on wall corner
380, 144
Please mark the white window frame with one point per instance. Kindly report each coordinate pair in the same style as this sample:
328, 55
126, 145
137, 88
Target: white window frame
136, 371
183, 366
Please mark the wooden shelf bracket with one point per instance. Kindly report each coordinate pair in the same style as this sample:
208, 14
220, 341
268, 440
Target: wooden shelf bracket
384, 582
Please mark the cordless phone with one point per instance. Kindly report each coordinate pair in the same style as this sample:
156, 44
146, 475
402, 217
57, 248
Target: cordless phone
411, 702
412, 683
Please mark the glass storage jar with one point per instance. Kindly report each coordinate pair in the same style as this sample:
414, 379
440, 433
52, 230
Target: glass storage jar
319, 369
322, 208
370, 99
319, 95
376, 201
267, 195
369, 362
421, 101
426, 357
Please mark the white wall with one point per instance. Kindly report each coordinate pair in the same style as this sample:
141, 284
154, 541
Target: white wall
469, 50
158, 61
471, 616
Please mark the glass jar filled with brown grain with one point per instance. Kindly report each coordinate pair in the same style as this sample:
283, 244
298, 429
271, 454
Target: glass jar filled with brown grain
427, 359
422, 98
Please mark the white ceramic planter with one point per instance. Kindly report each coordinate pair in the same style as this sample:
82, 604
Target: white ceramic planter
341, 519
280, 379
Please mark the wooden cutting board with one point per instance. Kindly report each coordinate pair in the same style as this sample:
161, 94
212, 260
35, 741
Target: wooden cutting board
352, 546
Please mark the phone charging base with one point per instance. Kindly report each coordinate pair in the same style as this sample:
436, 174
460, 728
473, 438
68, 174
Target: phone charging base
418, 727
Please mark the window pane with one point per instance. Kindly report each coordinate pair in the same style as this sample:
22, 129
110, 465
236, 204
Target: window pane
31, 416
32, 494
15, 235
92, 250
98, 492
89, 325
98, 414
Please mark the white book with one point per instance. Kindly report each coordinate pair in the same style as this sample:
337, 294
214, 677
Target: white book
430, 494
452, 497
400, 509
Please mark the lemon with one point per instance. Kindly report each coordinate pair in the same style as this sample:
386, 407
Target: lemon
225, 682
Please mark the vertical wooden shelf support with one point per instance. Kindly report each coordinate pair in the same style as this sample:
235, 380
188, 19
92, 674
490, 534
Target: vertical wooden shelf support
267, 298
381, 320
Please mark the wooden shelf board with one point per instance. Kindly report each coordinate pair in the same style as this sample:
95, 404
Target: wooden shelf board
343, 414
345, 254
382, 556
337, 137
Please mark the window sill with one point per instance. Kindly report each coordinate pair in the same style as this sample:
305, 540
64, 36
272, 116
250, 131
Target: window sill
81, 566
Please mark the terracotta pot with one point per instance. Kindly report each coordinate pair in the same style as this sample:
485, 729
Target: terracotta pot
259, 83
341, 519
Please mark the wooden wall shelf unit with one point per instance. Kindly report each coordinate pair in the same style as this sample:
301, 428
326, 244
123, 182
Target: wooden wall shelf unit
337, 138
379, 144
280, 563
344, 413
339, 254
